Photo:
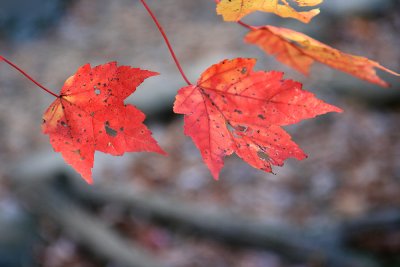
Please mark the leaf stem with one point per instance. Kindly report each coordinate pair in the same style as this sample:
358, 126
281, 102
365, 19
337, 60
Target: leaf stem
27, 76
178, 65
246, 25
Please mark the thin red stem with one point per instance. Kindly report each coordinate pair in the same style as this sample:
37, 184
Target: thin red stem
246, 25
27, 76
178, 65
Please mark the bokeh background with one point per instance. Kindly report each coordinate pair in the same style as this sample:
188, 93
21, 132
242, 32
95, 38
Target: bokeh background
340, 207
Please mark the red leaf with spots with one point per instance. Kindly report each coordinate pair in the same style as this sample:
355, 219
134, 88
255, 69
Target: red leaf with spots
90, 115
233, 109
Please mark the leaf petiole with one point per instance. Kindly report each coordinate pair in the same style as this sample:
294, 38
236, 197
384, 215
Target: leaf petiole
246, 25
178, 65
27, 76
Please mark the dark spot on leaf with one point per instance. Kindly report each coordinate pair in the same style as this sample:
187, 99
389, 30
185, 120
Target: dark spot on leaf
241, 128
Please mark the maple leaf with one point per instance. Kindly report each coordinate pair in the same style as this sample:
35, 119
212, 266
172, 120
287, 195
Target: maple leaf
234, 10
232, 109
90, 115
299, 51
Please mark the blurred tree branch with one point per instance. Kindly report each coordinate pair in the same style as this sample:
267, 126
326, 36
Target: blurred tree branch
58, 199
43, 198
233, 229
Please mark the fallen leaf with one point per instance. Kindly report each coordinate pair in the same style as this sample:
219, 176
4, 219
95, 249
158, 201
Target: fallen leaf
233, 109
299, 51
234, 10
90, 115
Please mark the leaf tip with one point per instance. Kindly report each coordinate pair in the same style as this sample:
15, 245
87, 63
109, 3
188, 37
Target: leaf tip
161, 152
215, 175
327, 108
152, 73
381, 82
310, 15
88, 179
336, 109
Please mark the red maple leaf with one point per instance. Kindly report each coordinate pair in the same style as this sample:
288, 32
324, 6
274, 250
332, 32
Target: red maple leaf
233, 109
90, 115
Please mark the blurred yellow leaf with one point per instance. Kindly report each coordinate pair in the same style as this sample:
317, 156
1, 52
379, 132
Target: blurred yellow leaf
234, 10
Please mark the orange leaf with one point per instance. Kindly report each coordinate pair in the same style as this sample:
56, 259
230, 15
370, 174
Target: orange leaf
234, 10
234, 109
299, 51
90, 115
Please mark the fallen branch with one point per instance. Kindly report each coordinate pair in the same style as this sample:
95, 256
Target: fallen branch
292, 244
46, 200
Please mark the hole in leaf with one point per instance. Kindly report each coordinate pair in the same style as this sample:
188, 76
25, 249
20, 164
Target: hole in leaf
264, 156
230, 127
110, 131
